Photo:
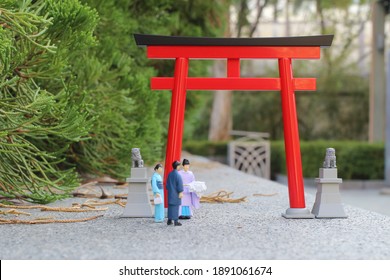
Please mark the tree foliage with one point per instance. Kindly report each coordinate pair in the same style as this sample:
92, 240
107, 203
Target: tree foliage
117, 75
39, 116
74, 88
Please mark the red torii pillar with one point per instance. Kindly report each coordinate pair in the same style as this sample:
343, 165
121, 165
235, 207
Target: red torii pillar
233, 49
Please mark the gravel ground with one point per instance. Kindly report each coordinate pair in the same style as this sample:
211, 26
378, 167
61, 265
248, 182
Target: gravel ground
249, 230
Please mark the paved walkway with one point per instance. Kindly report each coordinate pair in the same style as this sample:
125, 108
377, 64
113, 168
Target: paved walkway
248, 230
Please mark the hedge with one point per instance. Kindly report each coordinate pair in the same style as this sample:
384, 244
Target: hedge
355, 160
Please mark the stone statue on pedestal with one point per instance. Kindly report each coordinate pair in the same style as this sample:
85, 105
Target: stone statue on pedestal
328, 201
138, 202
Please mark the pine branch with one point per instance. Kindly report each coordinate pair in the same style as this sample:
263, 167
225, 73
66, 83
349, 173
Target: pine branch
39, 121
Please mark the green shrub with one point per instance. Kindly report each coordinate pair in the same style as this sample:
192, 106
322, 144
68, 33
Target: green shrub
355, 160
206, 148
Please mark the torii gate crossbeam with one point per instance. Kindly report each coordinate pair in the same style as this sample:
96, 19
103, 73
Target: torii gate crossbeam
284, 49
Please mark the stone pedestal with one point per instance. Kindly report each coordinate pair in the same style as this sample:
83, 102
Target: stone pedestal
138, 204
328, 200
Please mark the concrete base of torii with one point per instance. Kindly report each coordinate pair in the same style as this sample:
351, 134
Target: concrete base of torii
328, 200
298, 213
138, 203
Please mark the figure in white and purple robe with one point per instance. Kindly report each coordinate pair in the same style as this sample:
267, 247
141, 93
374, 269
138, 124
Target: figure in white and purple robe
190, 200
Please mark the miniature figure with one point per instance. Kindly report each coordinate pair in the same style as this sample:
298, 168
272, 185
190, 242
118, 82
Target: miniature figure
175, 193
330, 158
190, 199
158, 192
136, 158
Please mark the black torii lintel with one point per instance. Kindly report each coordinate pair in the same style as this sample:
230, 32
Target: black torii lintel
303, 41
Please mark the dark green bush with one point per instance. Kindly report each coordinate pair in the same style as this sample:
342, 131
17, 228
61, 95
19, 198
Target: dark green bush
355, 160
206, 148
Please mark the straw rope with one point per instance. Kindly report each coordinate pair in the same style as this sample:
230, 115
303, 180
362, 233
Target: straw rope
47, 221
14, 212
71, 209
88, 206
264, 194
92, 203
221, 196
20, 206
54, 209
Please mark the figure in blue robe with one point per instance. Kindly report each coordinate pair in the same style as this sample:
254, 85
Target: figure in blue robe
158, 191
175, 193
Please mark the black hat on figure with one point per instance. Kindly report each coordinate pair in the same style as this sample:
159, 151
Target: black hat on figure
186, 162
175, 164
158, 165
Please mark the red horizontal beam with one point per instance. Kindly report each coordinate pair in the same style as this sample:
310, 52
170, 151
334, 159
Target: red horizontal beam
205, 52
261, 84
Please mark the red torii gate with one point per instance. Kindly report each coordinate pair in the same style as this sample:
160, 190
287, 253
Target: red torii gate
233, 49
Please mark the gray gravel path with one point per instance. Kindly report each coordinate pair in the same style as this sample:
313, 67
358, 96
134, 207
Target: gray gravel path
249, 230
